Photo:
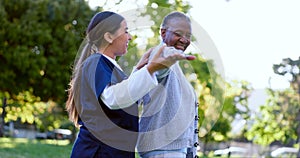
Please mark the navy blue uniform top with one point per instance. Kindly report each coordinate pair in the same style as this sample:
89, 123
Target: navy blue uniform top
104, 132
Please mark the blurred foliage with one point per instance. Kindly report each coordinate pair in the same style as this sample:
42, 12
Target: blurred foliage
39, 40
276, 120
291, 70
279, 117
235, 106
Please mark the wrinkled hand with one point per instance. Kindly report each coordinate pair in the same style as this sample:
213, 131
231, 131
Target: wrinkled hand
144, 60
159, 62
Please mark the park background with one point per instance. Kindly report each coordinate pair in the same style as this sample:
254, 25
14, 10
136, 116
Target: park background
255, 106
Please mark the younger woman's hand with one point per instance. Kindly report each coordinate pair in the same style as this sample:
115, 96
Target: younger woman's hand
144, 60
159, 62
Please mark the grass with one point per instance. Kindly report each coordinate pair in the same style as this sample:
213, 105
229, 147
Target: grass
31, 148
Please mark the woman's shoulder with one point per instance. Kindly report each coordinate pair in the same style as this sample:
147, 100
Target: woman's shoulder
91, 60
94, 56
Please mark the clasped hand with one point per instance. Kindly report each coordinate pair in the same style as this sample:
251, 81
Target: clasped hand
159, 62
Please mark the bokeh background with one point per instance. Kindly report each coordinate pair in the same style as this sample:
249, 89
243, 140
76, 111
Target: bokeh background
251, 111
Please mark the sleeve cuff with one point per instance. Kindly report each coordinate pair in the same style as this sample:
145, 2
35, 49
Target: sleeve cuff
149, 76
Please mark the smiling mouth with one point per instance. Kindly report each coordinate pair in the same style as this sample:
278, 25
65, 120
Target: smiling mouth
180, 47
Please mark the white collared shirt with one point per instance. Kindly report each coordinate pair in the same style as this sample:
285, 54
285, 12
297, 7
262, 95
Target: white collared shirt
127, 92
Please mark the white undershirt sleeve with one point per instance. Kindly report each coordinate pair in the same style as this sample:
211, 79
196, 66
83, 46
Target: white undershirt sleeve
127, 92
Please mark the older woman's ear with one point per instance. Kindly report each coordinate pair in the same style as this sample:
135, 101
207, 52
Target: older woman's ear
163, 32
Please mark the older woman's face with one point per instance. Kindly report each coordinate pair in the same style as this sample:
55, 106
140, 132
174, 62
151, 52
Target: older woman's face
121, 40
177, 34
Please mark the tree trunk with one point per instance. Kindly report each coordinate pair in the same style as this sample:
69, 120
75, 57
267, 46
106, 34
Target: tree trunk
298, 130
298, 115
2, 122
205, 145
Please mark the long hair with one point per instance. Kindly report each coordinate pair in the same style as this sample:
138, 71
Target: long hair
101, 23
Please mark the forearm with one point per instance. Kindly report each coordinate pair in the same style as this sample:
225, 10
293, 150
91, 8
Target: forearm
128, 91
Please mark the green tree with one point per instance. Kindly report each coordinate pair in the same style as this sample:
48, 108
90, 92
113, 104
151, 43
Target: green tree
291, 69
279, 117
213, 126
276, 120
234, 106
39, 40
238, 107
